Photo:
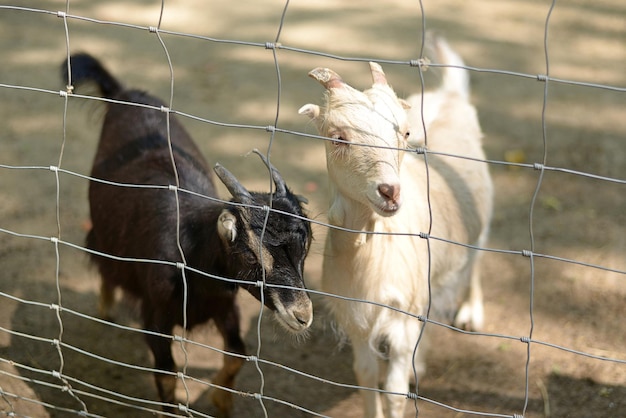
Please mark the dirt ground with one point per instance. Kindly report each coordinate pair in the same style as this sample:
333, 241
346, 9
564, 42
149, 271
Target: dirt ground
574, 217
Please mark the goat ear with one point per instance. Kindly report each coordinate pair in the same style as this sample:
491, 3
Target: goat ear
310, 110
302, 199
227, 226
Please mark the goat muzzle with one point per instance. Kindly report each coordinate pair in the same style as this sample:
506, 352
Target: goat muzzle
297, 316
389, 192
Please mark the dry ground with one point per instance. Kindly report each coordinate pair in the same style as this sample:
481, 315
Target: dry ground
574, 217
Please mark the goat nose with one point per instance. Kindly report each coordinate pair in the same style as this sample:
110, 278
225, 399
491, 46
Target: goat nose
389, 191
304, 315
302, 318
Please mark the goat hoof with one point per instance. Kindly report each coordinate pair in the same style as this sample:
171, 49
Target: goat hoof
470, 317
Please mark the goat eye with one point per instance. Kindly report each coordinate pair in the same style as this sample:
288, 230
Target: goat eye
249, 258
407, 134
338, 140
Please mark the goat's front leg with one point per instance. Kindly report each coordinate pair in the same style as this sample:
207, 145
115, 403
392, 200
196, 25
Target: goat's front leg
163, 360
404, 364
160, 322
366, 369
228, 326
397, 381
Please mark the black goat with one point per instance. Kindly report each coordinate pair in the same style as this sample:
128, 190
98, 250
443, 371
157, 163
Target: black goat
229, 240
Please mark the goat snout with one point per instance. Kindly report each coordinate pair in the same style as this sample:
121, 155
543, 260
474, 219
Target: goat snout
297, 316
304, 314
390, 191
391, 196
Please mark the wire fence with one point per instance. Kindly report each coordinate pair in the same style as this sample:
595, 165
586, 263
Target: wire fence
52, 375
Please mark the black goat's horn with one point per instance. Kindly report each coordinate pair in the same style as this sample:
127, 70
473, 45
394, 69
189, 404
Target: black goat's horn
235, 188
281, 187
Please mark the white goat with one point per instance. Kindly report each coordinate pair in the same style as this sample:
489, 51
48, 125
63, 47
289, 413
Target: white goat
375, 187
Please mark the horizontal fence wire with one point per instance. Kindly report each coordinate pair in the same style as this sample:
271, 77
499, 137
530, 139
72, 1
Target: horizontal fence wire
82, 390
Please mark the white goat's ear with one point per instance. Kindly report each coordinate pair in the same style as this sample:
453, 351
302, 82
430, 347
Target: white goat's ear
404, 104
227, 226
310, 110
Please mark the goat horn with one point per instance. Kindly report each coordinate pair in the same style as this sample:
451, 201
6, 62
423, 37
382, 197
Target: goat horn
378, 76
327, 77
281, 188
235, 188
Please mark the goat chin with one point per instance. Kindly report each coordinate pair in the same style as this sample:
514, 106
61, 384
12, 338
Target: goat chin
295, 318
385, 209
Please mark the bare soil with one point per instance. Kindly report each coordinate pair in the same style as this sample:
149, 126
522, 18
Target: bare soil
573, 217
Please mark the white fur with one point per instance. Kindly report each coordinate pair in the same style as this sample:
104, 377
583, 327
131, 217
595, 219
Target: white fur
394, 269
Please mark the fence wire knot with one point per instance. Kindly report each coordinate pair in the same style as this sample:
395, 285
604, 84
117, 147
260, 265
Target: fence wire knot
527, 253
272, 45
61, 14
55, 307
270, 128
153, 29
420, 150
542, 77
165, 109
182, 408
56, 374
423, 235
525, 340
538, 166
412, 396
422, 63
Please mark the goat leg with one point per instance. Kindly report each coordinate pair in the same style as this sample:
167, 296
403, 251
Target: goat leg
228, 326
163, 359
107, 297
397, 381
366, 369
